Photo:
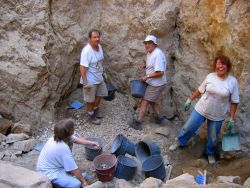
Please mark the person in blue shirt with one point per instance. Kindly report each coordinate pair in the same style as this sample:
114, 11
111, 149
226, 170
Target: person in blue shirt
56, 160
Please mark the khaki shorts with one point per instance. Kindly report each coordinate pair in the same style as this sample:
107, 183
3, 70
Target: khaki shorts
99, 90
153, 93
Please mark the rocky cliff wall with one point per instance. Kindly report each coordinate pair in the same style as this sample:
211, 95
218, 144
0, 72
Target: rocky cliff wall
41, 43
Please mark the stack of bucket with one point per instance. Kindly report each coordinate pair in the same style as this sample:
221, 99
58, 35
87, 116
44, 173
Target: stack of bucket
149, 154
126, 166
116, 163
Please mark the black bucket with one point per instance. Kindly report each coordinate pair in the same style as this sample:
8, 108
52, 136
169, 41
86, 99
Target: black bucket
145, 149
122, 145
90, 151
111, 92
153, 166
125, 168
138, 88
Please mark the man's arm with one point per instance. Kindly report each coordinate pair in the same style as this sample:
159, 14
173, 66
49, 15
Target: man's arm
83, 71
156, 74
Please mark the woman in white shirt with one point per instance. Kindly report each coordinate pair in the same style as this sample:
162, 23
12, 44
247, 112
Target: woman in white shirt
219, 95
56, 160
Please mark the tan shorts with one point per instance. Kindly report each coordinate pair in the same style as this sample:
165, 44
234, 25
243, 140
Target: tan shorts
153, 93
99, 90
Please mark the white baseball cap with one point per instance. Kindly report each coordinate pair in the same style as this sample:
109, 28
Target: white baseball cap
151, 38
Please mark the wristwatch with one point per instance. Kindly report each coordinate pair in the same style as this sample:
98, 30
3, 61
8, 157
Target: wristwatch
148, 76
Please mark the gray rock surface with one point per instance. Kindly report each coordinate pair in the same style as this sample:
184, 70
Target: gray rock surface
19, 177
228, 179
247, 183
25, 145
11, 138
151, 183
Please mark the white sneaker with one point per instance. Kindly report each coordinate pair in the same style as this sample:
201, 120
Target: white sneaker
175, 145
211, 159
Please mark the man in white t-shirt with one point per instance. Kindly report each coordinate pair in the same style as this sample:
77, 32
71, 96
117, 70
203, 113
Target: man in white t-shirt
91, 70
155, 77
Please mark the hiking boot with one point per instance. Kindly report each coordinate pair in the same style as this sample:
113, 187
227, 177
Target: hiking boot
175, 145
159, 119
135, 124
94, 120
96, 113
211, 159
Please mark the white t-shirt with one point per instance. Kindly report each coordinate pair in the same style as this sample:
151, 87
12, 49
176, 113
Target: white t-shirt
156, 61
93, 60
55, 159
217, 96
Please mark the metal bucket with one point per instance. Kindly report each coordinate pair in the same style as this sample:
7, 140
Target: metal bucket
125, 168
90, 151
231, 141
105, 165
138, 88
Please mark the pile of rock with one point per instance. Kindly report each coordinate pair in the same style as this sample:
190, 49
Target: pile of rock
15, 139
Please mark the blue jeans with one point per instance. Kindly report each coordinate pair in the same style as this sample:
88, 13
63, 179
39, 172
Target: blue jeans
193, 123
66, 180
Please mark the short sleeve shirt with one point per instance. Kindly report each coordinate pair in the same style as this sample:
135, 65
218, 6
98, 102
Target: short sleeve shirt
55, 158
156, 61
217, 96
93, 60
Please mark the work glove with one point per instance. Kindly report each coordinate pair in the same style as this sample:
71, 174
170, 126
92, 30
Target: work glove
230, 124
187, 105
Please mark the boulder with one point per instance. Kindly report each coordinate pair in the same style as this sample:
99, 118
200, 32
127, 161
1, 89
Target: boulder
228, 179
121, 183
21, 128
2, 138
247, 183
184, 180
5, 126
16, 176
11, 138
25, 145
97, 184
151, 183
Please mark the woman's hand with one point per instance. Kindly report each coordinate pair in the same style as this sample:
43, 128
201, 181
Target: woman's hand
230, 124
84, 183
96, 144
187, 105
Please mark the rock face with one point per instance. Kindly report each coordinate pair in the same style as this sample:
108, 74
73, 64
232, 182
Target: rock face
41, 44
15, 176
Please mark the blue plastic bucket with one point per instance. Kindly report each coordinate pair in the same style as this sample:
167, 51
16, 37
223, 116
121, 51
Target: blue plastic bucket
145, 149
153, 166
125, 168
138, 88
122, 145
90, 151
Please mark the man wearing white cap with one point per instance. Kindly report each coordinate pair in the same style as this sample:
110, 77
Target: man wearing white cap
155, 78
